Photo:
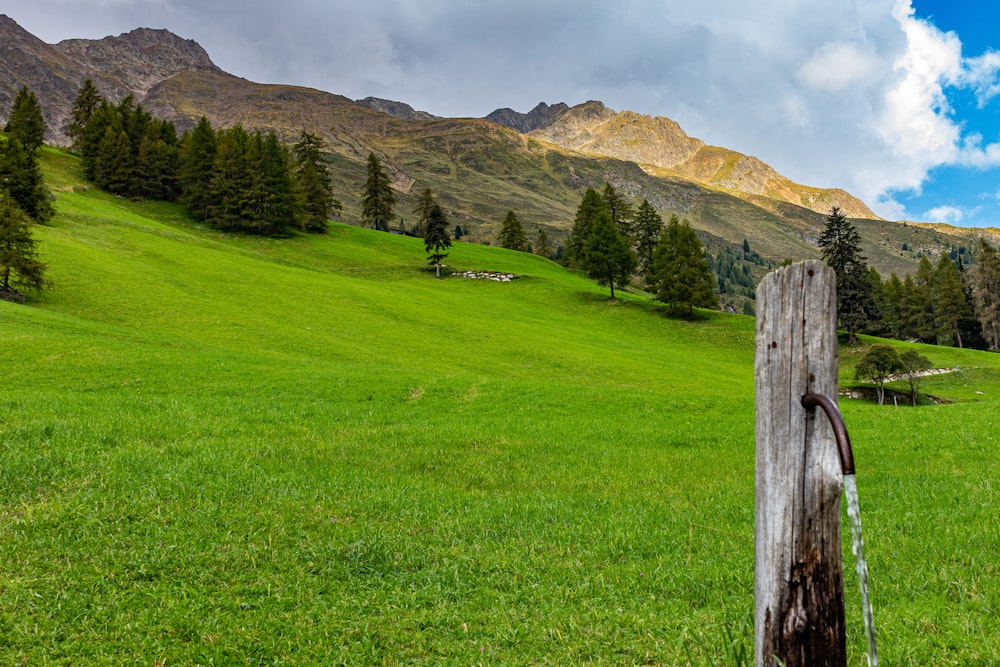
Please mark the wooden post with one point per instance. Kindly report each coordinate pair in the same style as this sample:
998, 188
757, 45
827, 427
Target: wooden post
798, 571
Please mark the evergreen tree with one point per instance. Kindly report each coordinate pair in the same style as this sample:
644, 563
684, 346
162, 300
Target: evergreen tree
880, 326
921, 302
21, 178
26, 122
270, 208
20, 267
115, 164
911, 310
682, 277
840, 245
198, 151
543, 246
647, 229
423, 211
377, 198
86, 103
230, 185
892, 291
313, 189
436, 237
607, 257
93, 134
950, 302
512, 234
986, 293
620, 209
158, 163
586, 215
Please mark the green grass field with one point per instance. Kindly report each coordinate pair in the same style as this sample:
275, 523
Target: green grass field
230, 450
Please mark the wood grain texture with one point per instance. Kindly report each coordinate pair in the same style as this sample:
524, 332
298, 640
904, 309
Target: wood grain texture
798, 571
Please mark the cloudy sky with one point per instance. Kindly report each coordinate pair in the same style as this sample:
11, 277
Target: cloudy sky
892, 100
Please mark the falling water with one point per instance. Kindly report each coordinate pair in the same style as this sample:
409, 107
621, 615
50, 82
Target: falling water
854, 515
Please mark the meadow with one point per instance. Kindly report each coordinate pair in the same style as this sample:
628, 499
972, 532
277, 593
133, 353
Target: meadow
236, 450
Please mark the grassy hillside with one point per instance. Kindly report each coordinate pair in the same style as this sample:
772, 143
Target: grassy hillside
222, 450
479, 170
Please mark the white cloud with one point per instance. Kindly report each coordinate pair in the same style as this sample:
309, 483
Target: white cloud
835, 66
951, 215
982, 75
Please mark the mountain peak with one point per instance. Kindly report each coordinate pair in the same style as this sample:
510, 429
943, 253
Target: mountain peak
541, 116
142, 57
400, 110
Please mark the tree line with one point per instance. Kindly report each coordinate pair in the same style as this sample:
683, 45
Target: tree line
231, 179
940, 303
616, 244
24, 198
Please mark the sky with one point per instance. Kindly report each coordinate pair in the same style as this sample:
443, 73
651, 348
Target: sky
895, 101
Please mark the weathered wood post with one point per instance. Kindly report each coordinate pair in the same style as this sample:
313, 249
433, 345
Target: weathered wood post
798, 571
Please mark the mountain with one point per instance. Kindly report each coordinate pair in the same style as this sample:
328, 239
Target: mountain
658, 143
541, 116
478, 168
400, 110
129, 64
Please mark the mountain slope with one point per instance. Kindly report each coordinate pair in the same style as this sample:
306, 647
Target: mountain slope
478, 169
658, 142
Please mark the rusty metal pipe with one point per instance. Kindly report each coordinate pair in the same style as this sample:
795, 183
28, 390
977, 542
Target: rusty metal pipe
813, 400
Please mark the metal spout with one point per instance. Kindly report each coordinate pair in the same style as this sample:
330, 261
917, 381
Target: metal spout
810, 402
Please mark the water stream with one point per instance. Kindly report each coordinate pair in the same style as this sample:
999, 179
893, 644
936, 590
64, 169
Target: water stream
854, 515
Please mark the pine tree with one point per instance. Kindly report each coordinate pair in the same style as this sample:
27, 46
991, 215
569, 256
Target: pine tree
21, 178
543, 246
230, 186
86, 103
892, 291
269, 205
114, 156
90, 139
377, 198
620, 209
840, 245
198, 151
949, 302
158, 163
647, 229
313, 190
682, 277
26, 122
607, 257
423, 211
986, 293
921, 302
436, 237
20, 267
512, 234
586, 215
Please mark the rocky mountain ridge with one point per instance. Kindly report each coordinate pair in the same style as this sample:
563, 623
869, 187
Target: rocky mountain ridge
400, 110
659, 143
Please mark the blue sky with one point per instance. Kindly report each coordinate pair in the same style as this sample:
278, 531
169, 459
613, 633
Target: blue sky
956, 193
894, 101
